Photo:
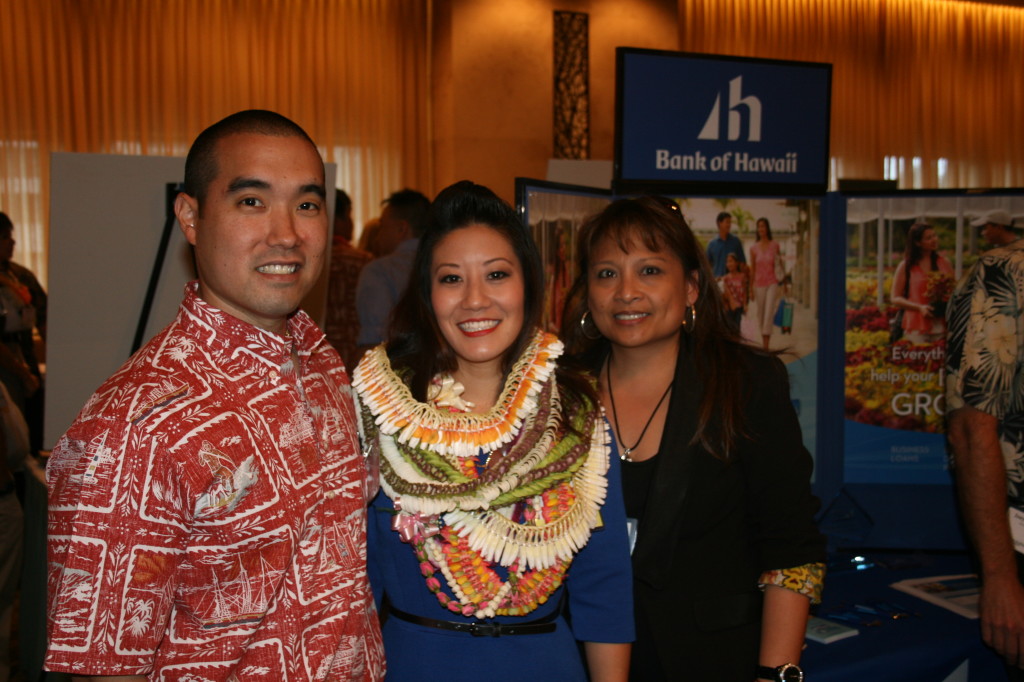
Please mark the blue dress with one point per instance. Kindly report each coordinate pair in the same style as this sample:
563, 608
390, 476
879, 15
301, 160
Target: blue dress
597, 596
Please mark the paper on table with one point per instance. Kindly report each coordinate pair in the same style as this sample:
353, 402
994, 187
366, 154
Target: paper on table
958, 593
827, 631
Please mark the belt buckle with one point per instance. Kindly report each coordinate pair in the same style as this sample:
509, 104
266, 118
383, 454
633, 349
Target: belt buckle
485, 629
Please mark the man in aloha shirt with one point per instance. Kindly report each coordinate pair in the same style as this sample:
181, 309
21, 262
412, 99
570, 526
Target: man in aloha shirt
985, 403
207, 508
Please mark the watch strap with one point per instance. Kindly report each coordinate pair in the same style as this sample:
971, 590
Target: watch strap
787, 672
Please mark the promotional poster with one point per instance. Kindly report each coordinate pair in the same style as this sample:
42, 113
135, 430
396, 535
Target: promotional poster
904, 257
780, 313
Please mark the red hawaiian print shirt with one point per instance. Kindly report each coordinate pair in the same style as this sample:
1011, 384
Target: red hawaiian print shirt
208, 513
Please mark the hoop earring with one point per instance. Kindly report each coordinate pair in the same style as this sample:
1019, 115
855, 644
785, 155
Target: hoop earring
589, 331
689, 319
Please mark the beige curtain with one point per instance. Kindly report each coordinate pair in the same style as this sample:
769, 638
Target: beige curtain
924, 91
145, 76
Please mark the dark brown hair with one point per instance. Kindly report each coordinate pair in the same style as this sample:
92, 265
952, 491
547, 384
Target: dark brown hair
658, 224
912, 251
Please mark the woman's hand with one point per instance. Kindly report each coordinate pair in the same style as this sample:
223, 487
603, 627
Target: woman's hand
926, 310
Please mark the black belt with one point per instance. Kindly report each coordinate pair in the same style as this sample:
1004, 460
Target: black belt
478, 629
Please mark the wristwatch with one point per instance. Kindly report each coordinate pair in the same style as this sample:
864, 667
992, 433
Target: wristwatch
787, 672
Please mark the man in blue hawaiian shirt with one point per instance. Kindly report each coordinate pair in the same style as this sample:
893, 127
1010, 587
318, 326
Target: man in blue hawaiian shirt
725, 243
985, 402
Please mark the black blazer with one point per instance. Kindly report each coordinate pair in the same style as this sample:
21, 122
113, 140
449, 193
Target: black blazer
710, 528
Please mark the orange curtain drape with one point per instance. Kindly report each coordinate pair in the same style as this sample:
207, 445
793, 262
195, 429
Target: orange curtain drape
927, 92
144, 77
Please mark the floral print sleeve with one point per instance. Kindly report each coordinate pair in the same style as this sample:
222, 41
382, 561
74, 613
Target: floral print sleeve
806, 580
985, 351
986, 335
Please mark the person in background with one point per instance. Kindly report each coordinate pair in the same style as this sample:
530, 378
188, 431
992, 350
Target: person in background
724, 244
368, 238
342, 323
207, 508
12, 531
24, 307
985, 427
727, 557
499, 538
383, 280
921, 262
997, 228
736, 289
765, 263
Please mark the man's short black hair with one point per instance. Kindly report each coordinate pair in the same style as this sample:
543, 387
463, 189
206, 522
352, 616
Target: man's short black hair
722, 216
411, 206
6, 225
201, 163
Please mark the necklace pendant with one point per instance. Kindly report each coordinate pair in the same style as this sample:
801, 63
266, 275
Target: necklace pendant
624, 456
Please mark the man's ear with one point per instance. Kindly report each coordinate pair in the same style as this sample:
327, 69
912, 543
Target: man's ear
186, 210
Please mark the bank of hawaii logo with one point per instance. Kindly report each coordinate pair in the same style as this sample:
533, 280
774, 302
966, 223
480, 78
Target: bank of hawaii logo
741, 112
751, 106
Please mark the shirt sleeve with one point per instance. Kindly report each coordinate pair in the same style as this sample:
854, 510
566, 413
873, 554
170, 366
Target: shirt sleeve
111, 557
984, 344
778, 474
807, 580
600, 580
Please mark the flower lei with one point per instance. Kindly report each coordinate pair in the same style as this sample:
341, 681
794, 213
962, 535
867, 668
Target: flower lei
529, 508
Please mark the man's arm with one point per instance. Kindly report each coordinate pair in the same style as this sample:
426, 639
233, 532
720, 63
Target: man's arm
981, 485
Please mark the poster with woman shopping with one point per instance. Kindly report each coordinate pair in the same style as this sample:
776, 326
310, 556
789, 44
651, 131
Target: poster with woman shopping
904, 256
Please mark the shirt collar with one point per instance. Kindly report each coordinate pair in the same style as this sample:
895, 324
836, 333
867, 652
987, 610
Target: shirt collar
226, 333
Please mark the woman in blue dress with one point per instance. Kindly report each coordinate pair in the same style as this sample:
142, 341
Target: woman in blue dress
498, 542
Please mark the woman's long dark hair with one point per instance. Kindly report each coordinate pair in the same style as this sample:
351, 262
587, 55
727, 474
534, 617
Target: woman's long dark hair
767, 229
912, 252
716, 344
417, 349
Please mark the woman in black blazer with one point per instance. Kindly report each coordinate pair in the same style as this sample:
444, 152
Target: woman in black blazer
727, 558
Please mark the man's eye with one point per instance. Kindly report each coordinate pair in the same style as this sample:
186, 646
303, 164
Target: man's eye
251, 201
309, 206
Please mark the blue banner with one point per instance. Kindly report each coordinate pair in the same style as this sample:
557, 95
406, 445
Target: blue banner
696, 119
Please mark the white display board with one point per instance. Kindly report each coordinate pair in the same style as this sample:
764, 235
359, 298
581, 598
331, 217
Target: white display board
107, 215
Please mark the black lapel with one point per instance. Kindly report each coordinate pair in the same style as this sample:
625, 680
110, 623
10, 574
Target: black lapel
659, 529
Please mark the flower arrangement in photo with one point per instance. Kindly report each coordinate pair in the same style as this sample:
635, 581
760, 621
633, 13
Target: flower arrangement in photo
938, 289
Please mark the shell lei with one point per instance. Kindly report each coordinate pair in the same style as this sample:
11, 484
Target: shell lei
529, 508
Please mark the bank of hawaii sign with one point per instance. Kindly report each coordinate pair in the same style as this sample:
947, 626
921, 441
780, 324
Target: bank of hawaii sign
720, 124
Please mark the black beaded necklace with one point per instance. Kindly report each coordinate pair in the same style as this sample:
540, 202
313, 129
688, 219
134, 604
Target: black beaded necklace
624, 455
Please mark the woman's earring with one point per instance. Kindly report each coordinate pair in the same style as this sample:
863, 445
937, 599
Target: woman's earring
588, 328
689, 319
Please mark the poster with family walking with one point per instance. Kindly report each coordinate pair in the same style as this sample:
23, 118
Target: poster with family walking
904, 256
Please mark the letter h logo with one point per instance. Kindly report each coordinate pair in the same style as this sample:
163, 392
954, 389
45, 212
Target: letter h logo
753, 105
